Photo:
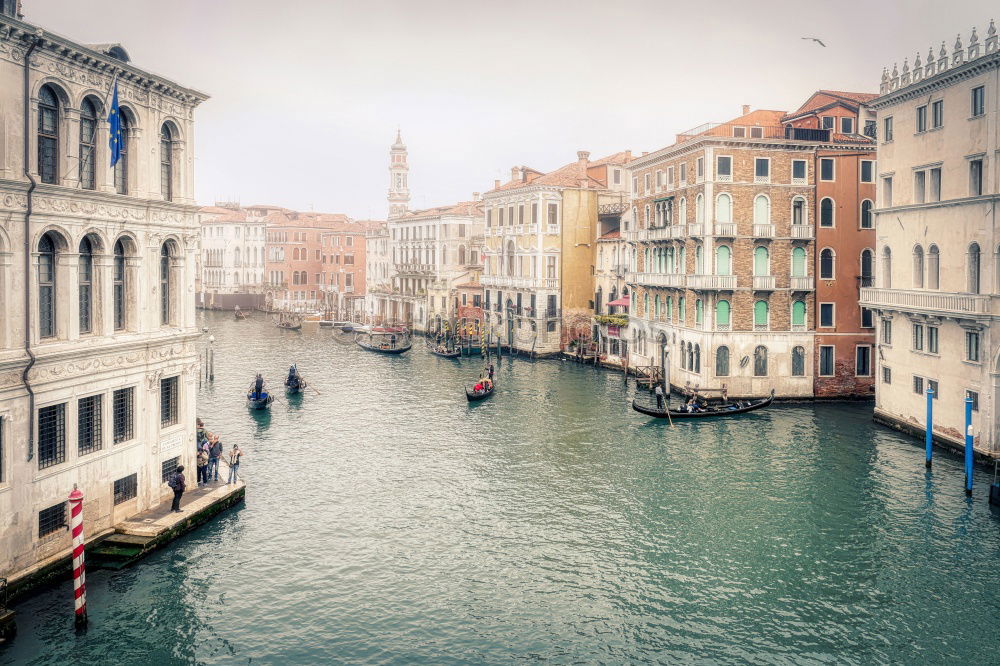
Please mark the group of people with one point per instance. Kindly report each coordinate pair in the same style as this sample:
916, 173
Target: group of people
209, 452
693, 404
485, 382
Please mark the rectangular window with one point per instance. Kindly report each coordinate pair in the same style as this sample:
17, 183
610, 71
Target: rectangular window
51, 435
500, 217
887, 130
935, 185
826, 365
867, 171
126, 489
887, 331
724, 168
534, 213
617, 176
826, 168
932, 339
700, 167
684, 173
863, 361
739, 132
886, 375
975, 177
762, 169
659, 179
978, 101
798, 171
826, 315
937, 114
847, 125
645, 183
168, 402
477, 301
122, 407
756, 132
919, 186
972, 346
489, 218
88, 420
918, 385
867, 318
635, 184
918, 337
168, 467
52, 519
828, 122
553, 213
887, 192
922, 118
933, 386
670, 176
974, 396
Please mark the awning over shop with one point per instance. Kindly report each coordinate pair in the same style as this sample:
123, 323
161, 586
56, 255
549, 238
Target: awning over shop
624, 300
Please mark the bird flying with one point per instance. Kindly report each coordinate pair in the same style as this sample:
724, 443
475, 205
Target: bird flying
818, 41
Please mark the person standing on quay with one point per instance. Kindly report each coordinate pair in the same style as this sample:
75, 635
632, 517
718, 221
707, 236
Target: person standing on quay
214, 453
234, 464
202, 466
176, 484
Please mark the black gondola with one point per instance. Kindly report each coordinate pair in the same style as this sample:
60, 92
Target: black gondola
386, 347
294, 383
473, 396
724, 409
258, 397
454, 353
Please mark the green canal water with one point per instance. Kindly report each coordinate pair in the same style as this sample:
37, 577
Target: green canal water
387, 521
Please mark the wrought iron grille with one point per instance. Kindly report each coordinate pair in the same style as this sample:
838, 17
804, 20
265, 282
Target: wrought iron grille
168, 401
168, 467
126, 489
122, 407
52, 519
88, 420
51, 435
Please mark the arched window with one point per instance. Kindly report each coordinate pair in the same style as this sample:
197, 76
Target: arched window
699, 209
722, 313
47, 286
799, 316
868, 268
670, 308
723, 260
760, 315
799, 215
461, 255
886, 268
867, 218
683, 210
656, 304
670, 260
798, 262
826, 264
933, 268
761, 261
166, 163
645, 305
973, 268
681, 308
761, 210
48, 135
760, 361
722, 361
826, 212
699, 260
236, 278
85, 279
798, 362
918, 267
119, 285
510, 257
699, 312
724, 208
684, 356
697, 358
647, 221
88, 134
236, 257
165, 285
597, 300
121, 166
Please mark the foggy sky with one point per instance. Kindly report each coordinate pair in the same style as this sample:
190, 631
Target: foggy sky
307, 95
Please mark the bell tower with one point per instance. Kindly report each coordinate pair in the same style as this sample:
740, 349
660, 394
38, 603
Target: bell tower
399, 189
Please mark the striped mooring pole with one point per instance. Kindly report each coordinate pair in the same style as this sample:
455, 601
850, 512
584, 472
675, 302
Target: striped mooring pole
969, 452
79, 568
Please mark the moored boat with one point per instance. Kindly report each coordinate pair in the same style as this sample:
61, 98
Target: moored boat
444, 352
722, 409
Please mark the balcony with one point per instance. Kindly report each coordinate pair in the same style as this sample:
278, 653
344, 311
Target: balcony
657, 233
414, 269
725, 229
804, 283
763, 231
656, 279
712, 282
929, 302
531, 228
695, 230
763, 282
618, 270
803, 231
678, 230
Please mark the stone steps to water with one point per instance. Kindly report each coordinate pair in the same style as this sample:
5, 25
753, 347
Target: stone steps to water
117, 550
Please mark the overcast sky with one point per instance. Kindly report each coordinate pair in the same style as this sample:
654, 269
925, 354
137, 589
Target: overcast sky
307, 94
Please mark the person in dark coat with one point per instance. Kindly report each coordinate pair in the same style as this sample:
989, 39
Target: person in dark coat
659, 396
176, 484
258, 386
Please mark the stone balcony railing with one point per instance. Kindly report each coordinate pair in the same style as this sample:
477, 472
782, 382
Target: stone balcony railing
695, 229
515, 282
725, 229
802, 231
712, 282
415, 269
763, 282
930, 302
655, 279
763, 231
802, 283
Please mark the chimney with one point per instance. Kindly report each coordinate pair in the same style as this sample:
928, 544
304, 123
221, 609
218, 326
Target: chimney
475, 196
515, 173
746, 109
496, 184
583, 157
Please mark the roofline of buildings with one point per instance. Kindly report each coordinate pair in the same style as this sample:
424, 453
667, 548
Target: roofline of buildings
940, 80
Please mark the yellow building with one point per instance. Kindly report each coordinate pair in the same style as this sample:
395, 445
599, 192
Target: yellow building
540, 242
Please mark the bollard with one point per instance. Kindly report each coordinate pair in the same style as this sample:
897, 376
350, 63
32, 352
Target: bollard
79, 567
929, 437
968, 446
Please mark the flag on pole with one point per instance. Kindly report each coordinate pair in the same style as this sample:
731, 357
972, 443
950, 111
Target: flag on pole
115, 127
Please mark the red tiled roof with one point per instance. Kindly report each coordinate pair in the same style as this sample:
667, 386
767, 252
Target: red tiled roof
469, 285
460, 208
569, 175
861, 98
611, 235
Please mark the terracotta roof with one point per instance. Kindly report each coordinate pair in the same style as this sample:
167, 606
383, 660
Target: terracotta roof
219, 214
472, 208
856, 96
758, 118
822, 99
611, 235
469, 285
569, 175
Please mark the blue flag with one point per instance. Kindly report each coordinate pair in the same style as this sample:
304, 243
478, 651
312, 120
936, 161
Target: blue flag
115, 128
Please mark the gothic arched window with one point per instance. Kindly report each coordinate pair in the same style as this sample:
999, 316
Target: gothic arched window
119, 286
166, 163
48, 135
47, 286
88, 134
85, 279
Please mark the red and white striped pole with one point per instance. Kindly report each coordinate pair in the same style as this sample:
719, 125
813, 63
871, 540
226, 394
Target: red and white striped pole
79, 568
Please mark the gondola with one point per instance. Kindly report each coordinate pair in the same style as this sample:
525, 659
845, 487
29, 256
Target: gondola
263, 402
239, 314
289, 326
298, 385
384, 349
454, 353
725, 409
475, 396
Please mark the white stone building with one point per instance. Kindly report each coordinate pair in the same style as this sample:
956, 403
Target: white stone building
938, 254
231, 266
98, 360
378, 271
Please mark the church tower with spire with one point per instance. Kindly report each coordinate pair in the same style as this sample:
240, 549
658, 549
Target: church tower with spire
399, 189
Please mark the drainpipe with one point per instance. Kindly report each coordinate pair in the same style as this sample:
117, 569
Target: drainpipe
27, 249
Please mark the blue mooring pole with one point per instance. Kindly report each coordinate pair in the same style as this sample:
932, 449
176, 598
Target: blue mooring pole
929, 437
968, 446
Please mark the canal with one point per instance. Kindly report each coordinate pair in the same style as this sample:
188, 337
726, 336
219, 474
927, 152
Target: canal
387, 521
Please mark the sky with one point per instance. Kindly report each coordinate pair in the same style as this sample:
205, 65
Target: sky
306, 95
